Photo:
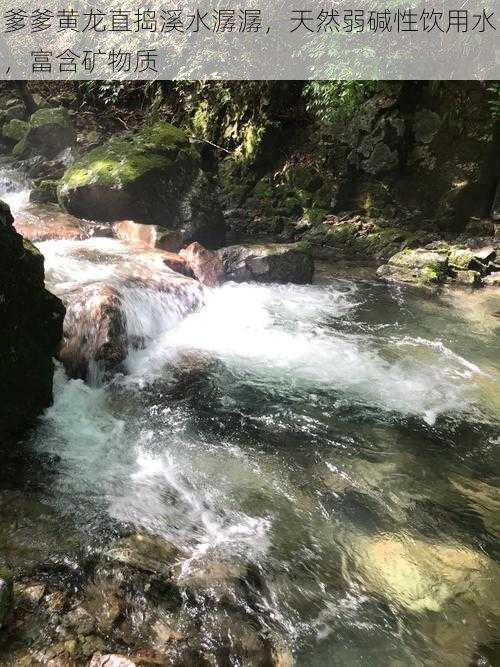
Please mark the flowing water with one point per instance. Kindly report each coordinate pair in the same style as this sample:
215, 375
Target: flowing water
341, 437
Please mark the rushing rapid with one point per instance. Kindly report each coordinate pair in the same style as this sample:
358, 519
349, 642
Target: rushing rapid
341, 437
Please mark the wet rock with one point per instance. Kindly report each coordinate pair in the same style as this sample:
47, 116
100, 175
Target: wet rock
97, 331
424, 576
153, 177
32, 327
206, 265
177, 263
104, 603
419, 266
149, 236
91, 645
80, 620
484, 499
46, 223
33, 592
145, 552
274, 262
50, 132
94, 330
6, 589
165, 634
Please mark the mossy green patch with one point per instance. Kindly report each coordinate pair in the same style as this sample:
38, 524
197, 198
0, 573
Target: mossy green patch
55, 116
162, 135
117, 163
15, 129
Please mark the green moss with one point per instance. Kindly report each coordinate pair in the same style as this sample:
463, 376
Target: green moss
263, 189
429, 274
162, 135
460, 258
201, 120
20, 147
118, 162
58, 116
253, 135
315, 215
15, 129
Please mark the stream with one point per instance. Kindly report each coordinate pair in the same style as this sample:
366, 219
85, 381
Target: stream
340, 437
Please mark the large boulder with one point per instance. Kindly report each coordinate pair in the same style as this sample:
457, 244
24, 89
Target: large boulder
102, 320
153, 177
50, 132
206, 265
420, 266
31, 329
268, 263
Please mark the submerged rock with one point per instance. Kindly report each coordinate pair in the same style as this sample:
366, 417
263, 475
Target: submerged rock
206, 265
148, 553
153, 177
425, 576
48, 223
270, 263
31, 329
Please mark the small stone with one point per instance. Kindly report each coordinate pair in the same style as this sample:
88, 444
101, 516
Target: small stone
34, 592
468, 278
166, 634
55, 601
93, 644
145, 552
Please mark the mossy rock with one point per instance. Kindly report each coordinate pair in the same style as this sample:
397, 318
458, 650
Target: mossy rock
15, 130
32, 330
461, 258
419, 266
50, 131
150, 177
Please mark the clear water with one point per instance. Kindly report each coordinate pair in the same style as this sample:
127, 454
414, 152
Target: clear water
343, 437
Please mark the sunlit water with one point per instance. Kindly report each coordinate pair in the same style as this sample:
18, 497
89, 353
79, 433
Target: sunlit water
300, 429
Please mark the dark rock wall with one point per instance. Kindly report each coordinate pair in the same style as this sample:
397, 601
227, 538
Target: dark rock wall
31, 328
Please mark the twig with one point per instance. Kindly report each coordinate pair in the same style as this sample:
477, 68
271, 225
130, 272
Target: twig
206, 141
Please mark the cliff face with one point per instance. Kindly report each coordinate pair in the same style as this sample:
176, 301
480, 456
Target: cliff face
31, 328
